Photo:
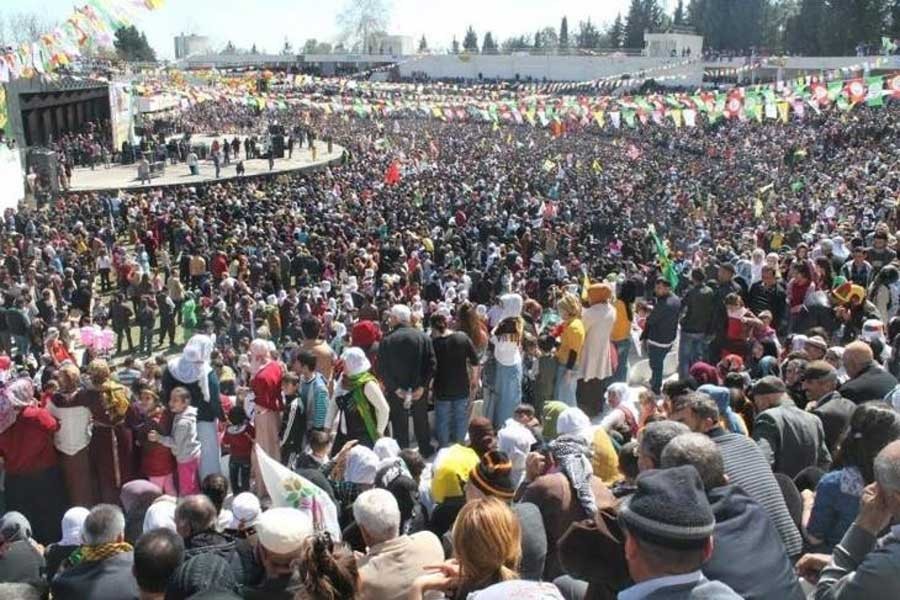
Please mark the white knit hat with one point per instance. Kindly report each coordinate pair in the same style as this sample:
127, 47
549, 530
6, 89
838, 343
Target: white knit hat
283, 530
355, 361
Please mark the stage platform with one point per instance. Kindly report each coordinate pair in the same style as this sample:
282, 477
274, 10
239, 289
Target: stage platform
124, 177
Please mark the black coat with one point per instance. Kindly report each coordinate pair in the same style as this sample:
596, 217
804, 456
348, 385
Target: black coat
406, 359
109, 579
873, 383
835, 412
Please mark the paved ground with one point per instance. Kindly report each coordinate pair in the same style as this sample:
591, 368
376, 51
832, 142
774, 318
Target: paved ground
125, 176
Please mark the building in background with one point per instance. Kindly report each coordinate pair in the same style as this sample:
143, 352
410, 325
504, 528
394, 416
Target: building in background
191, 45
391, 45
677, 42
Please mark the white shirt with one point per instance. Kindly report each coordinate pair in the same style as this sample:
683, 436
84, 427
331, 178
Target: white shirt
645, 588
74, 428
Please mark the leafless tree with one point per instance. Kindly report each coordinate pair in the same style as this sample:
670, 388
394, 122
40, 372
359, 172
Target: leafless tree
360, 19
20, 27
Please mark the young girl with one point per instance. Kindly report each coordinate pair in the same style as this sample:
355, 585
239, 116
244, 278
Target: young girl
741, 322
238, 440
157, 462
184, 442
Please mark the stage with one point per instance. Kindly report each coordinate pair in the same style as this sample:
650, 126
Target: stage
125, 176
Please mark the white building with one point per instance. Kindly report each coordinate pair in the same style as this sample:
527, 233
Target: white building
191, 45
391, 45
671, 44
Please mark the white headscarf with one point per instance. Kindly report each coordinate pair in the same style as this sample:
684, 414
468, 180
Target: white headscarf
516, 441
72, 523
192, 365
161, 514
362, 464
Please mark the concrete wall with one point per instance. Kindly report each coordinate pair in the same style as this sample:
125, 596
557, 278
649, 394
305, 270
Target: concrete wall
553, 68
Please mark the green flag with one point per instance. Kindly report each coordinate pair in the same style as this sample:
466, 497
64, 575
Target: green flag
665, 263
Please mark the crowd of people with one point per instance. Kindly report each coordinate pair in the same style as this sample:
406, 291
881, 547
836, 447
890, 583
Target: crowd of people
505, 381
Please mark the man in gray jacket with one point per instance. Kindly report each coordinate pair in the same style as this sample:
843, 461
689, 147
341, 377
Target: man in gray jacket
861, 568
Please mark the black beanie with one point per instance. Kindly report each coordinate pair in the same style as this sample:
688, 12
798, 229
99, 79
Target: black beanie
669, 509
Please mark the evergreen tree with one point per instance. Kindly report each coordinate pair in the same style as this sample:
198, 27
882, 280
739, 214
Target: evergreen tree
893, 28
488, 46
678, 18
454, 46
132, 46
616, 33
470, 42
564, 33
423, 45
587, 36
537, 40
253, 49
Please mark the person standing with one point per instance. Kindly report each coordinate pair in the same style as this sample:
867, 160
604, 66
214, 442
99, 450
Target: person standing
73, 437
596, 356
571, 339
696, 324
146, 320
144, 170
406, 365
660, 330
454, 353
359, 410
265, 382
193, 162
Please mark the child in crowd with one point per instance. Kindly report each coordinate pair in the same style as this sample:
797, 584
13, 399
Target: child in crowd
157, 462
293, 419
313, 391
317, 456
238, 440
628, 467
546, 376
183, 442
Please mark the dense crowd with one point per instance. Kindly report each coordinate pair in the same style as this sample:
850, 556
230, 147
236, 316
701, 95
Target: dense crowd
652, 363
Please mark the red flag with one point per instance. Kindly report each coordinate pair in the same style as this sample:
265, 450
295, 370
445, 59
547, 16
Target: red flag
734, 105
894, 86
819, 93
392, 175
856, 89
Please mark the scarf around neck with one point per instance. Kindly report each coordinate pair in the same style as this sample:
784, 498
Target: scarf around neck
572, 453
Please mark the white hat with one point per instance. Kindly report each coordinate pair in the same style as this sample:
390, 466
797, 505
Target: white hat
245, 510
355, 361
572, 421
387, 447
283, 530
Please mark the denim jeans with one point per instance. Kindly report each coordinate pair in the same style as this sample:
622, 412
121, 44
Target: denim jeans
657, 358
692, 348
239, 474
451, 420
565, 386
623, 349
508, 390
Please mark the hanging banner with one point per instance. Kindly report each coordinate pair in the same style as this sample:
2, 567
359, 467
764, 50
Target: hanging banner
121, 113
12, 188
4, 115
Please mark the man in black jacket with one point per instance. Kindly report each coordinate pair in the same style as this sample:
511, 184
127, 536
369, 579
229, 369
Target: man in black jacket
696, 323
406, 363
820, 382
742, 527
868, 380
768, 294
660, 331
725, 285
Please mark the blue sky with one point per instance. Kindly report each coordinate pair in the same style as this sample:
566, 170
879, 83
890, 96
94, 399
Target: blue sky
268, 22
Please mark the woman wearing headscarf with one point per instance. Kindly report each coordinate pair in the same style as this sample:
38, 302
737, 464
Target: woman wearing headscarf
729, 419
73, 437
358, 409
571, 340
192, 370
137, 497
34, 484
21, 558
596, 358
507, 340
56, 553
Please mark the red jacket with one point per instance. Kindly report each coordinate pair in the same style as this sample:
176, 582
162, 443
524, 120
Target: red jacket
27, 446
239, 441
156, 459
266, 386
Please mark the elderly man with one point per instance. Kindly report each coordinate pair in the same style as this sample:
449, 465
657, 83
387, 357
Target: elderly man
157, 555
406, 363
104, 572
742, 526
790, 438
820, 382
665, 548
860, 569
868, 380
393, 561
266, 374
195, 521
653, 440
281, 534
745, 464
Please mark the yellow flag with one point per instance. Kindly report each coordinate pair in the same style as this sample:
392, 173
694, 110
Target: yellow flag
496, 126
585, 284
758, 208
596, 167
676, 117
509, 139
600, 117
783, 108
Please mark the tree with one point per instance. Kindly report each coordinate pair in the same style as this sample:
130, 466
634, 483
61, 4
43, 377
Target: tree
19, 28
538, 42
893, 28
678, 17
616, 33
313, 46
489, 46
253, 50
549, 38
229, 48
360, 19
131, 45
587, 36
288, 49
643, 15
470, 42
454, 46
564, 33
423, 45
516, 44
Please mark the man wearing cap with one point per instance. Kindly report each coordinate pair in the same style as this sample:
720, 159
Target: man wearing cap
820, 382
661, 329
406, 364
868, 380
281, 533
815, 347
392, 561
668, 525
790, 438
